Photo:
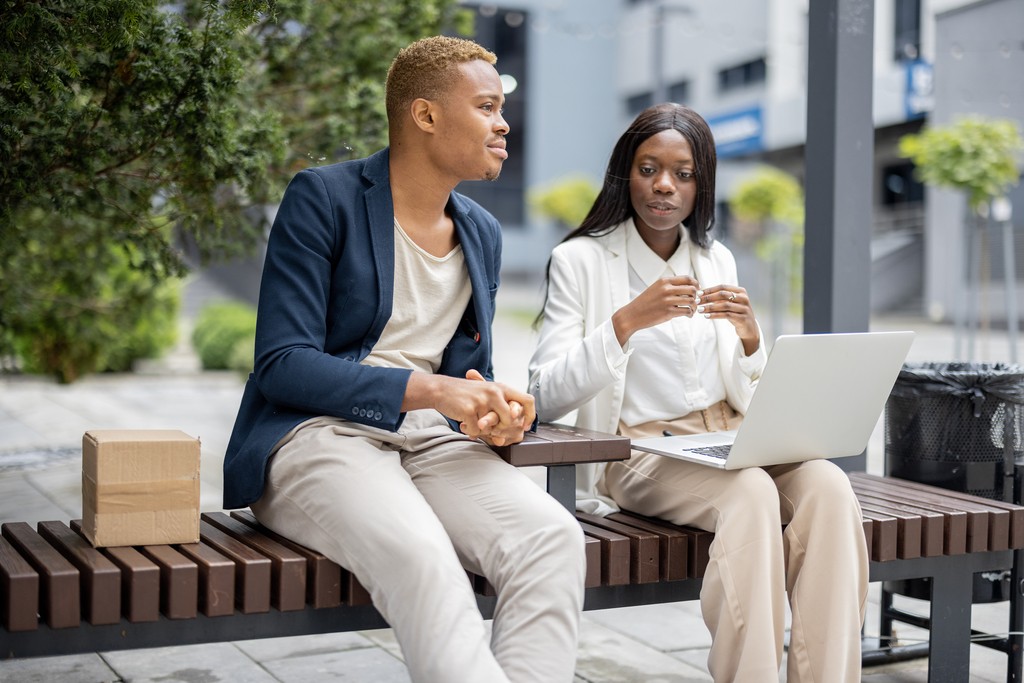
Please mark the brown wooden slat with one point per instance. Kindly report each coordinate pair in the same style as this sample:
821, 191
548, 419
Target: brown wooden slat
954, 521
252, 569
868, 534
532, 450
481, 586
933, 524
908, 528
614, 555
356, 592
674, 546
644, 547
59, 594
592, 550
1015, 512
980, 537
557, 444
288, 568
944, 531
576, 445
100, 578
216, 579
698, 543
140, 584
140, 580
179, 581
976, 535
323, 575
19, 590
883, 535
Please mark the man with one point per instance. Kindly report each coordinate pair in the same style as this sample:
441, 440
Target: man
360, 431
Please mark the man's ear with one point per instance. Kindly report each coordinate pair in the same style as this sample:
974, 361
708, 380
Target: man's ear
423, 113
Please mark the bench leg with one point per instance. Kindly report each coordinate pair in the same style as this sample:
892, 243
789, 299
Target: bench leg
1015, 642
562, 485
949, 644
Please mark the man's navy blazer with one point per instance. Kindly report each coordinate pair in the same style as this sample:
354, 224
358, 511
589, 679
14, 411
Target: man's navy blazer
325, 296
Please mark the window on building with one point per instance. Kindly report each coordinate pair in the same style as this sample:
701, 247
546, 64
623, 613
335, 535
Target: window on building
907, 30
742, 75
504, 32
899, 186
679, 92
637, 103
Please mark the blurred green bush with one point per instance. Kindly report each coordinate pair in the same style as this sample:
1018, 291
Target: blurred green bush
82, 305
224, 334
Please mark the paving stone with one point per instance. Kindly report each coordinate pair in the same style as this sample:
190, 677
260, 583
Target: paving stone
210, 663
269, 649
71, 669
607, 656
351, 666
663, 627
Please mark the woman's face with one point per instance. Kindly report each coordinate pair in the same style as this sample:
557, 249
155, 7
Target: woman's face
662, 185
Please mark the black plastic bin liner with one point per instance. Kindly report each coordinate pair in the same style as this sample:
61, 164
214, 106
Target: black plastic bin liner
957, 426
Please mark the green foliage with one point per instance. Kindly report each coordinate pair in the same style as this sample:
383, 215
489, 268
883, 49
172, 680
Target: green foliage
82, 305
220, 329
242, 356
975, 155
148, 125
769, 194
567, 200
323, 67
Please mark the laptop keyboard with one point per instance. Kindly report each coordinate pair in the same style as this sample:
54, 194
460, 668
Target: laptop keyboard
721, 451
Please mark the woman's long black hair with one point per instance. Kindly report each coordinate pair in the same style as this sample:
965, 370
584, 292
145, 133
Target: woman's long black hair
613, 205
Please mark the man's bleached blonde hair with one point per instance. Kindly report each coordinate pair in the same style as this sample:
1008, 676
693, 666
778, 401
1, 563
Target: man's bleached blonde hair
427, 69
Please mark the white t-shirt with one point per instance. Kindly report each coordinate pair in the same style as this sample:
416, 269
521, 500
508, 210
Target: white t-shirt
431, 294
673, 367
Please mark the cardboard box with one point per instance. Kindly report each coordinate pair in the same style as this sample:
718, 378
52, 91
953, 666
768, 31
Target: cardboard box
140, 487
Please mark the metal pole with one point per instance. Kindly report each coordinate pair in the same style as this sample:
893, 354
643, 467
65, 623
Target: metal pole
839, 166
971, 314
1001, 212
658, 91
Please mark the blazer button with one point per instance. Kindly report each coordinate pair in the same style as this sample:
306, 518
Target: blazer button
362, 412
377, 415
355, 411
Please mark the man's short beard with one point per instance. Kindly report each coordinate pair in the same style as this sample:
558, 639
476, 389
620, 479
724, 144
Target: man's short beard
492, 176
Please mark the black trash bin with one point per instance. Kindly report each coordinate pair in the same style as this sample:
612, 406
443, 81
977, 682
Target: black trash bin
958, 426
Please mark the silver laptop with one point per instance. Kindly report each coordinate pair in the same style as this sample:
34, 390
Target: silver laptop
819, 396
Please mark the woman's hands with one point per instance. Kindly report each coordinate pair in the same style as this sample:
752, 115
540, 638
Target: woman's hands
731, 303
673, 297
668, 298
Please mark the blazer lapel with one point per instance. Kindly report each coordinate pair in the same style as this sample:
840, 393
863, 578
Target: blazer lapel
618, 264
475, 258
380, 212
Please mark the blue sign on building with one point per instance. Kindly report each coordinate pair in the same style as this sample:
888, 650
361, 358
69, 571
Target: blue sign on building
738, 133
919, 97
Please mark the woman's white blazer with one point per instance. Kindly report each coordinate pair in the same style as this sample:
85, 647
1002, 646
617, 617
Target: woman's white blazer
570, 370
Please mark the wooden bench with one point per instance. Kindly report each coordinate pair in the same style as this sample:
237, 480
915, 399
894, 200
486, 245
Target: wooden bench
58, 595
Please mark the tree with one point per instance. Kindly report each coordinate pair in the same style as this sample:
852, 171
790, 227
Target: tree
774, 200
567, 200
977, 157
974, 155
147, 125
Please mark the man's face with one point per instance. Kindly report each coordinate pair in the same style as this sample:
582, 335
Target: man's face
471, 131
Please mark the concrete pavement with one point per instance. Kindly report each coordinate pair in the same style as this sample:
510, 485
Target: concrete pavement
41, 426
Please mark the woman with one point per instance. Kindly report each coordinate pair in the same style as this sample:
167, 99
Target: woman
646, 330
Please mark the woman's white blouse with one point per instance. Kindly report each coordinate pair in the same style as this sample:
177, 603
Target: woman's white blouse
673, 368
